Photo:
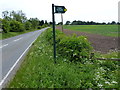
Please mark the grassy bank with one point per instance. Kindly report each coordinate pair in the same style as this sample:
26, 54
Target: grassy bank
12, 34
106, 30
39, 71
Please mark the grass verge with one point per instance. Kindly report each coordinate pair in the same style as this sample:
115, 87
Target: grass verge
39, 71
12, 34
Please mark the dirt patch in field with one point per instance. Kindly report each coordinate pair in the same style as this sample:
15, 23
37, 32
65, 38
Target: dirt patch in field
100, 43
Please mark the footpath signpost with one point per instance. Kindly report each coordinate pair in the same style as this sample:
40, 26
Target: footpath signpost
56, 9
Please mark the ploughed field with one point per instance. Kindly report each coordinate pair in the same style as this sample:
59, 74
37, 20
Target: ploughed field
103, 38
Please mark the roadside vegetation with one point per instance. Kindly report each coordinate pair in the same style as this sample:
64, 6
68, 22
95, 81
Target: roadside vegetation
74, 67
15, 22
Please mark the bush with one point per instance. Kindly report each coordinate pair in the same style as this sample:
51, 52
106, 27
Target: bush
5, 26
0, 23
16, 26
39, 27
72, 47
76, 48
27, 25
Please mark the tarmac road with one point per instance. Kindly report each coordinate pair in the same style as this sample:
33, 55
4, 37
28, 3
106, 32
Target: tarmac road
13, 49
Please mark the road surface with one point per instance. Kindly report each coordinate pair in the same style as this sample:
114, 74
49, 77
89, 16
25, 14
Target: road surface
13, 49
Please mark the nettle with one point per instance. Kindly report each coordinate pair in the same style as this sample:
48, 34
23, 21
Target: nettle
73, 47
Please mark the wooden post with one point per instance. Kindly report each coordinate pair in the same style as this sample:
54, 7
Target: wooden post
62, 22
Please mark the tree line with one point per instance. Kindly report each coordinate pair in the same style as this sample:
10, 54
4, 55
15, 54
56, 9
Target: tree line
88, 23
16, 21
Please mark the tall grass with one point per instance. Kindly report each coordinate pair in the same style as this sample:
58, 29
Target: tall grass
39, 71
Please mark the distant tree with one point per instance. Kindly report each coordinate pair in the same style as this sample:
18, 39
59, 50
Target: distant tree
6, 15
41, 23
60, 23
18, 16
46, 22
79, 22
118, 23
16, 26
34, 22
108, 23
67, 23
113, 22
0, 23
91, 23
5, 26
74, 22
103, 23
27, 25
50, 23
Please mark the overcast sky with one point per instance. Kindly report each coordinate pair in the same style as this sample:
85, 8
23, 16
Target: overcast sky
85, 10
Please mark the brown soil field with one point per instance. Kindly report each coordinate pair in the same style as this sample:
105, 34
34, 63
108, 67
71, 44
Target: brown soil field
100, 43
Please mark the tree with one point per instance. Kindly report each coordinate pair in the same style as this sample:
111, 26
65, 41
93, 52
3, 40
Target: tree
118, 23
16, 26
41, 22
46, 22
113, 22
103, 23
27, 25
74, 22
34, 22
5, 26
60, 23
18, 16
6, 15
0, 23
67, 23
50, 23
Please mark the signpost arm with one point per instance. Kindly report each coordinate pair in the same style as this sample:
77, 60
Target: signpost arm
54, 42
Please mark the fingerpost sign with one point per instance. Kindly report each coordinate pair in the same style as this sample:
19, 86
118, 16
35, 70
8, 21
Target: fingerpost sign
58, 9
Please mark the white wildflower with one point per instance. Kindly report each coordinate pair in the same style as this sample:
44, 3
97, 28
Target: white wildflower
107, 82
113, 82
98, 72
65, 60
100, 85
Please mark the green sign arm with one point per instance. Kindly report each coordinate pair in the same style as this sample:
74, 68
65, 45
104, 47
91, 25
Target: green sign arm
60, 9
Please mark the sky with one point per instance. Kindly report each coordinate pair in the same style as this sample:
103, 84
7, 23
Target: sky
84, 10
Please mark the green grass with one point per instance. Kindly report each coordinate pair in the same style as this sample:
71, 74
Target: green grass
12, 34
39, 71
106, 30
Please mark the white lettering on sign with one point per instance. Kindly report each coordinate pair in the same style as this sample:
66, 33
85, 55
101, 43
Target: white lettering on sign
59, 9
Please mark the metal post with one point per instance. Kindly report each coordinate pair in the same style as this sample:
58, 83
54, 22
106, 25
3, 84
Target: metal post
54, 42
62, 21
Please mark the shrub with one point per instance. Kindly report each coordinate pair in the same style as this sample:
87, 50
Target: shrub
27, 25
39, 27
0, 23
72, 47
16, 26
76, 48
5, 26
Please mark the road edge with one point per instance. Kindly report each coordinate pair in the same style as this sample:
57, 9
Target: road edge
15, 67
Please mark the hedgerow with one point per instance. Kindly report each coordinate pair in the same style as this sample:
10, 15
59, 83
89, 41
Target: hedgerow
72, 47
16, 26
